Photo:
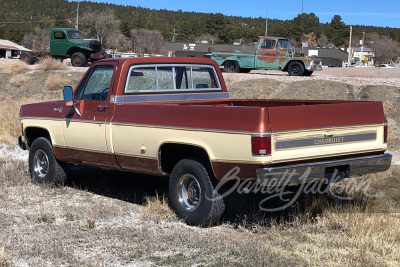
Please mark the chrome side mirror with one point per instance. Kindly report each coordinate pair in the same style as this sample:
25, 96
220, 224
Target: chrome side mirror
69, 99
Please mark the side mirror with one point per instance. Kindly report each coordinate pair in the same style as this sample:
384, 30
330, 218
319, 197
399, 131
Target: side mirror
68, 96
69, 100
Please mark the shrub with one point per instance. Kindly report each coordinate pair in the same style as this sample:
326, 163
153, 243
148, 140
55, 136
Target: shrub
18, 80
55, 82
13, 66
49, 63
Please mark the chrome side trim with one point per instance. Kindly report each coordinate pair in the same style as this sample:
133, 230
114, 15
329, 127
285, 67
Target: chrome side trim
316, 171
168, 97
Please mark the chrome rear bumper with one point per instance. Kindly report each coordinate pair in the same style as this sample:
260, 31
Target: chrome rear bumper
296, 174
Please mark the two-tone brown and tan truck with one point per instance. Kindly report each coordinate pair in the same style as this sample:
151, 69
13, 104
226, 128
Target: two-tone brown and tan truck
173, 117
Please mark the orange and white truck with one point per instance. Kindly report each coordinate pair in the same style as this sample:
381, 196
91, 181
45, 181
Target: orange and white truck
173, 117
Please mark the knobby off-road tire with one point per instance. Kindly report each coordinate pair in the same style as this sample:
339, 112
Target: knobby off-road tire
295, 69
78, 59
231, 66
192, 194
43, 165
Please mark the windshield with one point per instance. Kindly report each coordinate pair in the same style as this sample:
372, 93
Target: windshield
74, 35
283, 44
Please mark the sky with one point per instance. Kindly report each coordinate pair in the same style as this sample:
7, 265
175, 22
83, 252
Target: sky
353, 12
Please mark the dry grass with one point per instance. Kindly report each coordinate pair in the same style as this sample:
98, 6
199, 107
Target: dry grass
3, 258
13, 66
49, 63
55, 82
10, 126
18, 80
157, 209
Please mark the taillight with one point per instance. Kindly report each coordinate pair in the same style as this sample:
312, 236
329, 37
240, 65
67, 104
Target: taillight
261, 145
385, 133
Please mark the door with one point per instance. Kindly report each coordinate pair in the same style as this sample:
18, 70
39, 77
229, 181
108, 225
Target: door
85, 135
267, 57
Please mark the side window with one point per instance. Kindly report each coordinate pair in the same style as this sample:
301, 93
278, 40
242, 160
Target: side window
97, 86
59, 35
283, 44
203, 78
268, 44
169, 78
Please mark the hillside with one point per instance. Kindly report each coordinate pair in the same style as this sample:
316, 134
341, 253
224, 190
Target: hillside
20, 17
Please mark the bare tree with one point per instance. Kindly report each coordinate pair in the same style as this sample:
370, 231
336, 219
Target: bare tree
146, 41
102, 23
324, 41
38, 41
117, 41
385, 48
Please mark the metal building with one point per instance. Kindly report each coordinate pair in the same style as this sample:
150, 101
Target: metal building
9, 49
330, 56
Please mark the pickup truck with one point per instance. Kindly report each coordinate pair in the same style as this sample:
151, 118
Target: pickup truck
68, 43
173, 117
270, 53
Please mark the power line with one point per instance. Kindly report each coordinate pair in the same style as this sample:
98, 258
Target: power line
37, 21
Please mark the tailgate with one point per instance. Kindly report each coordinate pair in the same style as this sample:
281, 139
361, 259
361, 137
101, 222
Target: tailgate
313, 131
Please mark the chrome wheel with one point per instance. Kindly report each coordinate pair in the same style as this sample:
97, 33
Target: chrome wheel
189, 192
40, 164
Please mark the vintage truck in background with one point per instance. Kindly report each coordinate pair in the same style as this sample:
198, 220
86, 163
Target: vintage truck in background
173, 117
68, 43
271, 53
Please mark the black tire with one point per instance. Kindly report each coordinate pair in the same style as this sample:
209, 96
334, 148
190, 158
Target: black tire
44, 167
231, 66
27, 58
296, 69
78, 59
192, 194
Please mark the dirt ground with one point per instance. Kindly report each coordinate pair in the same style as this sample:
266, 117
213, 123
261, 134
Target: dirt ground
108, 218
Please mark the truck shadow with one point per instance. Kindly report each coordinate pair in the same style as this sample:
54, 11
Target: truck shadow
240, 209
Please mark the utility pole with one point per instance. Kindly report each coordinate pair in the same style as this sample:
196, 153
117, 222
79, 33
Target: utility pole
77, 17
266, 20
302, 5
174, 34
362, 48
349, 58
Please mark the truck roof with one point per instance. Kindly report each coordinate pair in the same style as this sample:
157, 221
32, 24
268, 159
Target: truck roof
272, 37
63, 29
161, 60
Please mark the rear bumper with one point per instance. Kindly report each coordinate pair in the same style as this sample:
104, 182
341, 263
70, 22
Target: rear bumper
297, 174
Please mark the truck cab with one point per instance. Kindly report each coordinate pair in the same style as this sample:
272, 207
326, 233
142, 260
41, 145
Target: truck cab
69, 43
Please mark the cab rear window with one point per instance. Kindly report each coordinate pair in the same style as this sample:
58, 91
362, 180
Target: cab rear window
163, 78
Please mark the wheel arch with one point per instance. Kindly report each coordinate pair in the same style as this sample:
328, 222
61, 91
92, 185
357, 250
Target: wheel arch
294, 60
75, 49
34, 132
170, 153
